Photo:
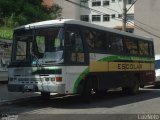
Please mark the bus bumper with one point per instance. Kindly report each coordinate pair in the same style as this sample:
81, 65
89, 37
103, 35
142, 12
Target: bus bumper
54, 88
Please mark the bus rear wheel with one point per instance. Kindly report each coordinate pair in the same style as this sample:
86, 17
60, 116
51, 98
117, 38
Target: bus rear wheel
45, 95
132, 90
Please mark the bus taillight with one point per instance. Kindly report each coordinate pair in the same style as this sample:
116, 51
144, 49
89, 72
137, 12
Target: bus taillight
58, 79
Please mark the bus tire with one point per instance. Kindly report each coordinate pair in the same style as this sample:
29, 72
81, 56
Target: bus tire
45, 95
87, 91
132, 90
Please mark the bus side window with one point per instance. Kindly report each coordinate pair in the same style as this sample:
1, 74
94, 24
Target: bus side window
131, 46
143, 48
90, 39
100, 42
75, 46
76, 42
116, 43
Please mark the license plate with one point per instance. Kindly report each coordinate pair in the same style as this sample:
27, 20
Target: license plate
28, 87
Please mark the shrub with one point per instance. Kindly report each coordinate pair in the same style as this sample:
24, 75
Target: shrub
6, 33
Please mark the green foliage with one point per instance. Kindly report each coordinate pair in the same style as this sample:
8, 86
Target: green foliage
19, 12
6, 33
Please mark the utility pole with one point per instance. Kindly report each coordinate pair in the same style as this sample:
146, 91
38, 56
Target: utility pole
124, 15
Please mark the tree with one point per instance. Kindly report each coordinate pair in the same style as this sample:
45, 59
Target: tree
20, 12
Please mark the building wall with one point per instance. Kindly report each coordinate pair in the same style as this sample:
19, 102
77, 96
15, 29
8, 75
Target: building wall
147, 16
113, 8
69, 11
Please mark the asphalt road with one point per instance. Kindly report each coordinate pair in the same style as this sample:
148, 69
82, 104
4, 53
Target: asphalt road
114, 106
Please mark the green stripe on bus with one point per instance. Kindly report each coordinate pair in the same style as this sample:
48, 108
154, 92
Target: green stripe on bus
132, 58
79, 79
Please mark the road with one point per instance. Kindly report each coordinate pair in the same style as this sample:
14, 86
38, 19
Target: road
114, 105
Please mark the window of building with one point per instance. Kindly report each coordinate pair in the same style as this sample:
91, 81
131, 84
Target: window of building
85, 18
113, 15
96, 18
113, 1
119, 15
106, 17
96, 3
130, 1
106, 3
130, 17
84, 0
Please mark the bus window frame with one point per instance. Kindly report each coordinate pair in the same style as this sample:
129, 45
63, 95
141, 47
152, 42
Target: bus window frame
86, 54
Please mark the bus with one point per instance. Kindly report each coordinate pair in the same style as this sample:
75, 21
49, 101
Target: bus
75, 57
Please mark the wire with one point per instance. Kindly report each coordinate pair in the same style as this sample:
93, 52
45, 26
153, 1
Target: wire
147, 25
131, 5
142, 29
138, 27
119, 6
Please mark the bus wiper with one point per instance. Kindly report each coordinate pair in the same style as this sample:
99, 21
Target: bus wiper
38, 63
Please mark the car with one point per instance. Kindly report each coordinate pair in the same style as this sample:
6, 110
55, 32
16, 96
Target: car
157, 70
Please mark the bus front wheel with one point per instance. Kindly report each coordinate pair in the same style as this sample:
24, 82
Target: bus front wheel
87, 91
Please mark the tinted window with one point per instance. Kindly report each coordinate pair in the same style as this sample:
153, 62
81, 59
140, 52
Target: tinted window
96, 40
131, 46
157, 64
143, 48
116, 43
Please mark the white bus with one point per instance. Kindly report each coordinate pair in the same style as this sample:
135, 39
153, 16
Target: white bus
75, 57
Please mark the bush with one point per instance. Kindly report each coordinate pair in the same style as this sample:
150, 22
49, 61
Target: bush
6, 33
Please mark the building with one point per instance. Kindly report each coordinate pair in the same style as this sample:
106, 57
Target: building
101, 12
107, 12
69, 10
147, 17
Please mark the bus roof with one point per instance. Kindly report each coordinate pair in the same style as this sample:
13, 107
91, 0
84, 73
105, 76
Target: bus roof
50, 23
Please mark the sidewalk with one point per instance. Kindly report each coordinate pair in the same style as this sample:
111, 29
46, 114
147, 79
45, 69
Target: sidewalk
8, 97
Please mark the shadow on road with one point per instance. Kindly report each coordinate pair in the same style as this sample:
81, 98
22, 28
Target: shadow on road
109, 100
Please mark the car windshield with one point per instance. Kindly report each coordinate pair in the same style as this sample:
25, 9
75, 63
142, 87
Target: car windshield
157, 64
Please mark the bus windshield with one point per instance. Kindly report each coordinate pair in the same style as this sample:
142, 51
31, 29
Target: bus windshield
49, 45
40, 46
